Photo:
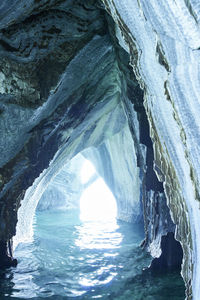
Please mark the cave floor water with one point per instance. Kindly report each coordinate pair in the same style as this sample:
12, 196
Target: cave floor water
72, 259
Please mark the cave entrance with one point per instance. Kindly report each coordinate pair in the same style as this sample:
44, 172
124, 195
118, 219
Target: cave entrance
79, 248
79, 187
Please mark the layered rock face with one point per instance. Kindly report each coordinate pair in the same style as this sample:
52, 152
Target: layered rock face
163, 40
65, 189
66, 86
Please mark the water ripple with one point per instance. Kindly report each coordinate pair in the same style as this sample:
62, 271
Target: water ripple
85, 260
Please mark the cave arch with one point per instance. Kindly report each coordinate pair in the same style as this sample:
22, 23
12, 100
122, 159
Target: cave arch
110, 157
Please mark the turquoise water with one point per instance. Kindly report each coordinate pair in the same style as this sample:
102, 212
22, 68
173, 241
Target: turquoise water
72, 259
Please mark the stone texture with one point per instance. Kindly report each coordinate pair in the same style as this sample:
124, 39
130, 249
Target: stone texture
163, 41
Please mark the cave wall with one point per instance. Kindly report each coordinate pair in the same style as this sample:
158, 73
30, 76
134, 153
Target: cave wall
64, 191
163, 40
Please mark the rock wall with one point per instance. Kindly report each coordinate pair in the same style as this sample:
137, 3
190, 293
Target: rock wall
163, 40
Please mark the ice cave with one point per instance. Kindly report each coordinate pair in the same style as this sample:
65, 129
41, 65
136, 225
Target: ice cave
100, 146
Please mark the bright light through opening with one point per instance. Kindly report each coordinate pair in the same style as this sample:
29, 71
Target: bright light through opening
87, 171
97, 202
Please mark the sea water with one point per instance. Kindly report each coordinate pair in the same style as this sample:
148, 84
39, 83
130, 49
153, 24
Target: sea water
75, 259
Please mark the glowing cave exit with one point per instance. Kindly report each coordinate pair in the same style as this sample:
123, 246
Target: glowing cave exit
97, 201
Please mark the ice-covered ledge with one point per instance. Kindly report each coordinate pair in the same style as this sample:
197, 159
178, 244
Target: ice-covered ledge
163, 39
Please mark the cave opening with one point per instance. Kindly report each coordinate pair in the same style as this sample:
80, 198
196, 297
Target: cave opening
82, 251
76, 235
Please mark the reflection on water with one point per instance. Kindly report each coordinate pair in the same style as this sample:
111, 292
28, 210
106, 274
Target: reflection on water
95, 235
71, 259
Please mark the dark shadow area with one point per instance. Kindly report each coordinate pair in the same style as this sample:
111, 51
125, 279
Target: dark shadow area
6, 255
6, 284
171, 257
159, 285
